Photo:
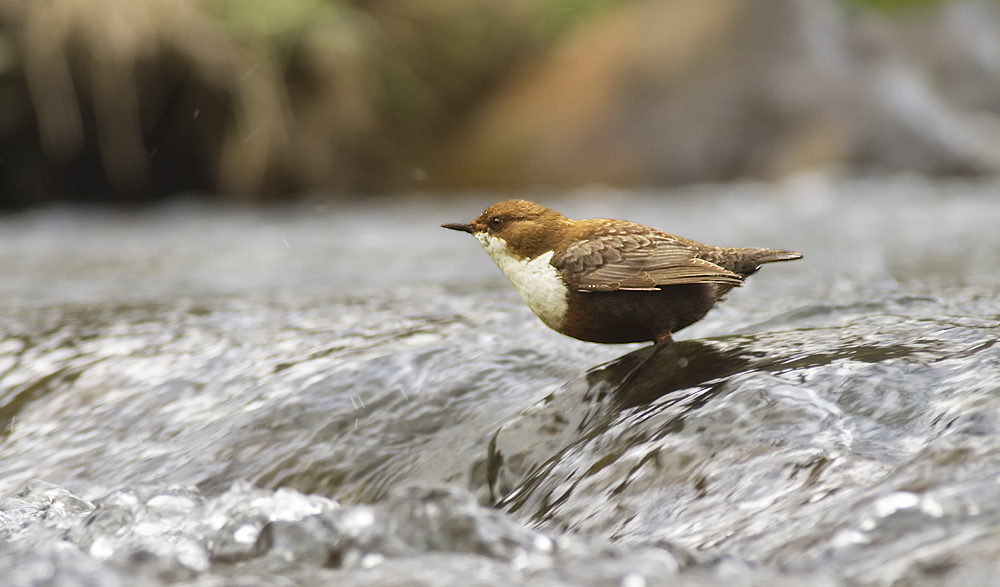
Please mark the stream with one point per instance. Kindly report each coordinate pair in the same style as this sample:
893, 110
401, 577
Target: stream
202, 393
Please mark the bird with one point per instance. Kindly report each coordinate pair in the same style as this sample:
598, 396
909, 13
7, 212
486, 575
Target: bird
610, 281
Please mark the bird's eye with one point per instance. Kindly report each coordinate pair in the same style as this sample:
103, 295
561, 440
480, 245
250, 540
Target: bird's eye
496, 221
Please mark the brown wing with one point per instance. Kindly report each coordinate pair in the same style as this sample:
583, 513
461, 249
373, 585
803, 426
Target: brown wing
639, 262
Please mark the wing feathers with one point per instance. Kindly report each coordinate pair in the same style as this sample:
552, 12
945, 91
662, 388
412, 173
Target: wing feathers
636, 262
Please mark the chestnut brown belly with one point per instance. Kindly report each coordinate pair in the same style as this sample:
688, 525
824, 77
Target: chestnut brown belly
636, 316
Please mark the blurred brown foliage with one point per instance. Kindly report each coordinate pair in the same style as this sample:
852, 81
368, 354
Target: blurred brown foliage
130, 99
245, 97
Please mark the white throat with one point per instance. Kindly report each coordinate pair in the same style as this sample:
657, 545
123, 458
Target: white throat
537, 282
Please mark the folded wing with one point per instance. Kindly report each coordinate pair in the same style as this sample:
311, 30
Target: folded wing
636, 262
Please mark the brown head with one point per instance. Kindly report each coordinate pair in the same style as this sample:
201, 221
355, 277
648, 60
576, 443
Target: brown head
527, 229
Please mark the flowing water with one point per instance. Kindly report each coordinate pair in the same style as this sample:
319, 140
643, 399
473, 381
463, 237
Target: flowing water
211, 394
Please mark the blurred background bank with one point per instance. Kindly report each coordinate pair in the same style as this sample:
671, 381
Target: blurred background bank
131, 100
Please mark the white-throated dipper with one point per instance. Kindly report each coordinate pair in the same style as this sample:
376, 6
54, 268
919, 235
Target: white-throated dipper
610, 281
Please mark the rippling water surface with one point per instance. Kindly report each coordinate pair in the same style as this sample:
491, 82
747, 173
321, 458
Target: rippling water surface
835, 420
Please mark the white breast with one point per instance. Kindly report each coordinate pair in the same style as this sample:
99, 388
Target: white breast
537, 282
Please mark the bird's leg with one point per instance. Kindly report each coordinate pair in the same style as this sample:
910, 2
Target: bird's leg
659, 343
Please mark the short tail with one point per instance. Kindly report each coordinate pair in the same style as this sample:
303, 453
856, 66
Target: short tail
761, 256
746, 261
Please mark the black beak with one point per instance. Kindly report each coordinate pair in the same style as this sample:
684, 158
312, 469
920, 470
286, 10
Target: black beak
462, 227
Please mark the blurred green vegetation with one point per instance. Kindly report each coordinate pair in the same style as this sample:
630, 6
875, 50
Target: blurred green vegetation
267, 17
562, 16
